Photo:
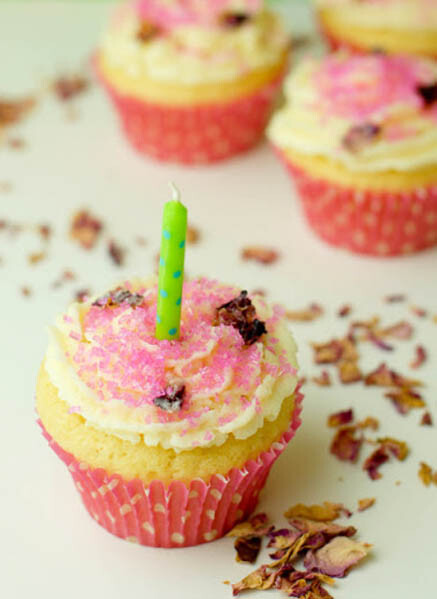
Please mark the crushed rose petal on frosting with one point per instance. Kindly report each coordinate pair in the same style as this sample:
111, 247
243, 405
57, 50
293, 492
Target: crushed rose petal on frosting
240, 313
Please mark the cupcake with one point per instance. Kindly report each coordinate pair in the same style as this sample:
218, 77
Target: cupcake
169, 442
193, 82
395, 26
359, 135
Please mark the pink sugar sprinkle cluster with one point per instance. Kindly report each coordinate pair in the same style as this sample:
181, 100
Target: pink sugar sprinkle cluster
359, 87
118, 357
175, 13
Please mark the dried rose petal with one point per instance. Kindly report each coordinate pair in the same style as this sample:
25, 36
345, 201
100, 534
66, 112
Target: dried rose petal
420, 357
379, 342
193, 235
147, 31
327, 353
400, 330
11, 111
82, 295
306, 315
281, 540
398, 449
384, 377
337, 557
141, 241
426, 474
420, 312
319, 513
307, 585
374, 461
341, 418
67, 87
328, 529
234, 19
324, 380
369, 422
428, 93
117, 297
36, 257
395, 298
45, 231
85, 228
259, 253
366, 503
344, 311
349, 371
426, 419
346, 445
116, 252
262, 578
247, 548
405, 399
240, 313
359, 136
257, 524
387, 447
172, 399
16, 143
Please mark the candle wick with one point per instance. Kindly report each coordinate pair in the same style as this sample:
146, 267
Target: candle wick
176, 194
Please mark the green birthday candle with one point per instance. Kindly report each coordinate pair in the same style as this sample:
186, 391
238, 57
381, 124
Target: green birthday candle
171, 268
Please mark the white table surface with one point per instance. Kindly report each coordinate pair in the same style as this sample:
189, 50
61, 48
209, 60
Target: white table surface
49, 546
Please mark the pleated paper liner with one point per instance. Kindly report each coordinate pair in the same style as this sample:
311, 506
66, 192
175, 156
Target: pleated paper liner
179, 515
199, 134
369, 222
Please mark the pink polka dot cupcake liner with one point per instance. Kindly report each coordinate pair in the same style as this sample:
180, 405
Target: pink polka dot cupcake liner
370, 222
180, 515
199, 134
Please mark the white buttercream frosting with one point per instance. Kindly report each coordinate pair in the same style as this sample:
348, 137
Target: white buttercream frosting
192, 54
327, 98
108, 367
400, 15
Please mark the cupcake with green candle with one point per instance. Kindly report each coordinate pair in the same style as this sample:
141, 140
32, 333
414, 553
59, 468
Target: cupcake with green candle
170, 401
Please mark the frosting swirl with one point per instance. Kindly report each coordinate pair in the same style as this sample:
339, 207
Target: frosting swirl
192, 52
108, 366
329, 99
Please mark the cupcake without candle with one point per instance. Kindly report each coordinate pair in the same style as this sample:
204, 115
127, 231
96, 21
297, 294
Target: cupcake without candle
394, 26
359, 136
169, 434
193, 82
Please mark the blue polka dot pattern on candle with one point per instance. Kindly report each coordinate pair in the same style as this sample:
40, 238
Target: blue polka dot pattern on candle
179, 301
158, 319
166, 234
173, 331
177, 274
163, 293
182, 244
161, 261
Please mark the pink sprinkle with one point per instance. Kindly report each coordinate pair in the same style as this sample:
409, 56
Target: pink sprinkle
67, 318
75, 335
208, 436
74, 409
